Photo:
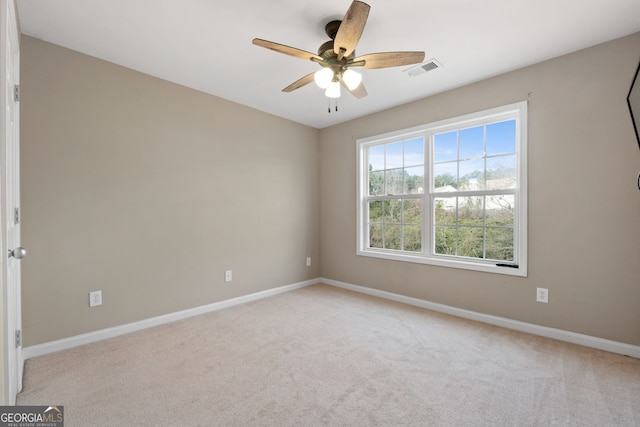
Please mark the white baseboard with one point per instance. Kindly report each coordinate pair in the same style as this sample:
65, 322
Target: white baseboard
90, 337
558, 334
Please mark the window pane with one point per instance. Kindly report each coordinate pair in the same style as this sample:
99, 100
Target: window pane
375, 236
376, 158
471, 211
445, 147
386, 210
501, 138
394, 155
445, 243
376, 183
412, 211
500, 244
445, 211
445, 177
500, 210
375, 211
414, 180
393, 237
472, 143
412, 238
414, 152
472, 175
470, 242
395, 211
501, 172
395, 181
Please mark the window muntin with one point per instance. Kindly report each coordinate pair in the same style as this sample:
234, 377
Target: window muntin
451, 193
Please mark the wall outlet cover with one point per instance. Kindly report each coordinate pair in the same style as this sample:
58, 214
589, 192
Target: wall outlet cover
542, 295
95, 298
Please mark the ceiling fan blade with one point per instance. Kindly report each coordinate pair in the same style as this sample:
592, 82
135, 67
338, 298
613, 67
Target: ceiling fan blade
299, 83
390, 59
288, 50
358, 92
351, 29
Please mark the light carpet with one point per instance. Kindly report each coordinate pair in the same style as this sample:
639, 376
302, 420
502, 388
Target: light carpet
322, 356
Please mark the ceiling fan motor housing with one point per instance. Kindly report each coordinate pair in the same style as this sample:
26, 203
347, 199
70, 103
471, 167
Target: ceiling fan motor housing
329, 55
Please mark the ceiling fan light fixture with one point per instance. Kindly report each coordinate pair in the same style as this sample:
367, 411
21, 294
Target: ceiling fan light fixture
323, 77
352, 79
333, 90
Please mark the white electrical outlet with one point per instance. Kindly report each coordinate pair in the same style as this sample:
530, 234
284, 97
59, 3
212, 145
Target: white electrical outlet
95, 298
228, 276
308, 261
542, 295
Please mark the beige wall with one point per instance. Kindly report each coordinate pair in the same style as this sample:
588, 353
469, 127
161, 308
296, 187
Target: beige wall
584, 206
149, 191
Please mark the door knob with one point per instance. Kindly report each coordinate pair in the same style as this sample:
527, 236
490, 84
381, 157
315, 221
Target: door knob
18, 253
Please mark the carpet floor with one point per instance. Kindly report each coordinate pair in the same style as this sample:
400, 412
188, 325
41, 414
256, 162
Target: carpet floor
322, 356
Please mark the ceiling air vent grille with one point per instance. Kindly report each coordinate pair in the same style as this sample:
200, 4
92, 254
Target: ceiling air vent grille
431, 64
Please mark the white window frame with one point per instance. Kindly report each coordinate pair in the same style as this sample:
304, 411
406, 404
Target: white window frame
519, 266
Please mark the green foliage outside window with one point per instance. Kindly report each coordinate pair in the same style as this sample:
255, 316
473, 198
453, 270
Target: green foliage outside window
396, 224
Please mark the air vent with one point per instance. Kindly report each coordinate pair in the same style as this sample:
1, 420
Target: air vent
431, 64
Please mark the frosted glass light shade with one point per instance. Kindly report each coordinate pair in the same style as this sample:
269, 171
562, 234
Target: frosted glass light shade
323, 77
352, 79
333, 90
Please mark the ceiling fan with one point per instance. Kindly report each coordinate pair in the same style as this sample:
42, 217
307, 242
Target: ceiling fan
337, 56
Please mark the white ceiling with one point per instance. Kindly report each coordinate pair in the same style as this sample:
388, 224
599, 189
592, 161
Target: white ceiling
206, 44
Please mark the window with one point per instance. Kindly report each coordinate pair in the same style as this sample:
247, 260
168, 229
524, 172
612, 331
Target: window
451, 193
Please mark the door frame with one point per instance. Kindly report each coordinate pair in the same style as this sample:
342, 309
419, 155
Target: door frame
12, 359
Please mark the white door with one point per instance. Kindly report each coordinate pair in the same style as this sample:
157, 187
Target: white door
12, 252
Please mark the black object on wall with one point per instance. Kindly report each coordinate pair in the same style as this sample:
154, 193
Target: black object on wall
633, 100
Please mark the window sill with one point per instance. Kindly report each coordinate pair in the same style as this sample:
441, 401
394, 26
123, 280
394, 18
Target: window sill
443, 261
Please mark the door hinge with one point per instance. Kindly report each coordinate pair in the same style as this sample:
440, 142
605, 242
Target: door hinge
16, 216
18, 338
16, 93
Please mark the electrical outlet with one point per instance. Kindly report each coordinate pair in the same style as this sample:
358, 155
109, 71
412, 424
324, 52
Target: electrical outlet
228, 276
308, 261
542, 295
95, 298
